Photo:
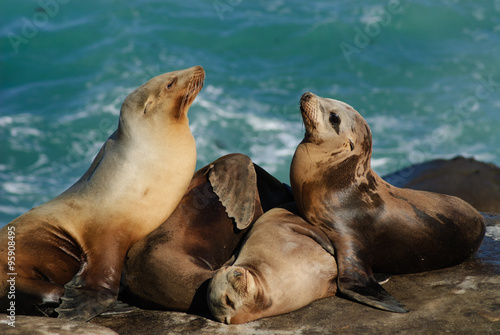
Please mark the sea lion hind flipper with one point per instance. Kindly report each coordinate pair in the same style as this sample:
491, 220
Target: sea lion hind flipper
83, 304
371, 294
234, 180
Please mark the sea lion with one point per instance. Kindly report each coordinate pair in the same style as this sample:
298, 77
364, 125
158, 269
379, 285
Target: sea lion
169, 268
73, 247
285, 263
373, 226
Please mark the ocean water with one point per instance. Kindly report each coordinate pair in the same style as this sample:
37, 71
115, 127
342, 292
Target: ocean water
424, 74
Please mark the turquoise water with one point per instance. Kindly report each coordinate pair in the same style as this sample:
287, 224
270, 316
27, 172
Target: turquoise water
424, 74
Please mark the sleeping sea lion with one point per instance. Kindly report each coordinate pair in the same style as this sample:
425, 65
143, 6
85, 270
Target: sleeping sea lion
284, 264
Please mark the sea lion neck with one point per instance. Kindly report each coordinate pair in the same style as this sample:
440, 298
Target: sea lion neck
313, 174
160, 104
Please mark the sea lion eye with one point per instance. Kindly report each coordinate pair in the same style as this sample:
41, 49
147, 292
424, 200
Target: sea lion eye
334, 119
229, 302
351, 144
147, 107
170, 85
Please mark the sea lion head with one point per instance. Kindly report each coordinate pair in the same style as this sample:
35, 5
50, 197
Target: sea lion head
163, 100
232, 294
335, 127
334, 154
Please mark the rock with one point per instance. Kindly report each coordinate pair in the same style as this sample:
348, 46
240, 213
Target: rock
476, 182
463, 299
35, 325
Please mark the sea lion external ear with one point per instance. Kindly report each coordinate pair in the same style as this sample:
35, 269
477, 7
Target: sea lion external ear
234, 181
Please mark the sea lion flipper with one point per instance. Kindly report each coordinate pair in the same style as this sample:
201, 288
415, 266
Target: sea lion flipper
272, 192
371, 294
355, 277
316, 234
119, 307
382, 278
234, 180
80, 303
230, 261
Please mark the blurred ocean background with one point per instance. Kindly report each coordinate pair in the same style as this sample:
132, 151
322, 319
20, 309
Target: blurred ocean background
425, 75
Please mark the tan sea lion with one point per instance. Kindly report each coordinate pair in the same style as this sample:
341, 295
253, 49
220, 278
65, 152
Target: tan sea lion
170, 267
73, 247
283, 265
373, 226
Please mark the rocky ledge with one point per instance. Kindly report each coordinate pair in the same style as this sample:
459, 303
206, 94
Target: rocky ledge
464, 299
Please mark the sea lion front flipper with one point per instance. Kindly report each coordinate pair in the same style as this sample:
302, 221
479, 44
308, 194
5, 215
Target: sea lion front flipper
81, 303
234, 181
371, 294
94, 289
119, 307
316, 234
298, 225
382, 278
356, 281
230, 261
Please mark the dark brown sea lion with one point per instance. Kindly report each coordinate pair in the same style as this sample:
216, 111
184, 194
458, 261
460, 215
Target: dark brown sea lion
373, 226
476, 182
170, 268
72, 248
282, 266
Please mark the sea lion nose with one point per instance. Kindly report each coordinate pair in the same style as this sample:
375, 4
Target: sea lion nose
198, 69
306, 96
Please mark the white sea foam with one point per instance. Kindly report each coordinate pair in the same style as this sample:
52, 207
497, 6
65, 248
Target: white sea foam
6, 121
493, 232
12, 210
24, 131
17, 187
379, 162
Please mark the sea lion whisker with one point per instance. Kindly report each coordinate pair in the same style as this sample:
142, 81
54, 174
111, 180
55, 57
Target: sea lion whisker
194, 86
